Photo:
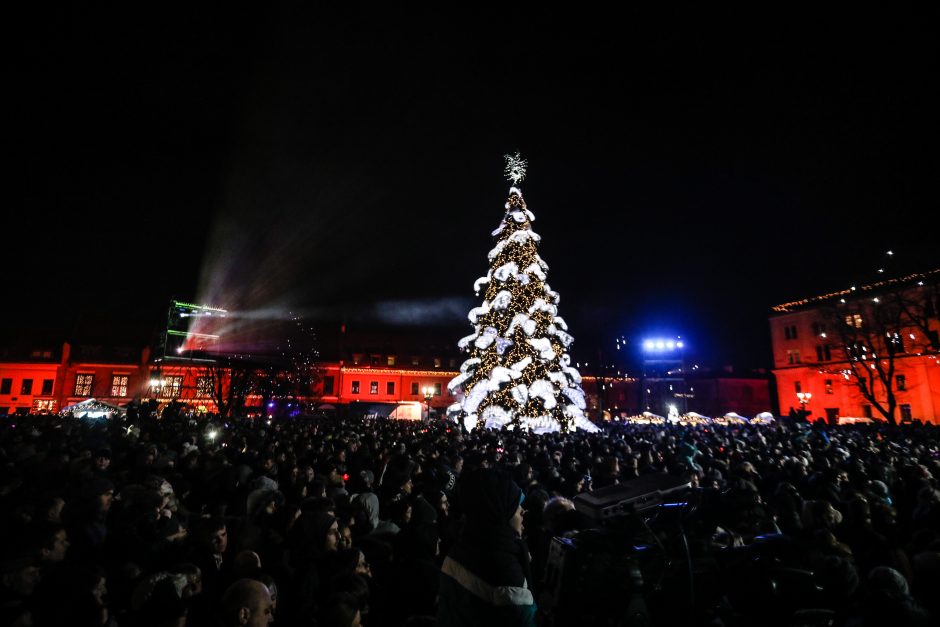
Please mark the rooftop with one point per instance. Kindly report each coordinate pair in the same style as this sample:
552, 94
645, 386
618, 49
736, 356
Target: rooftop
918, 277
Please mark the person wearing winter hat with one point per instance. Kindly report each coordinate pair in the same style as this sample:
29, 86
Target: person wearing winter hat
485, 577
88, 519
879, 490
102, 460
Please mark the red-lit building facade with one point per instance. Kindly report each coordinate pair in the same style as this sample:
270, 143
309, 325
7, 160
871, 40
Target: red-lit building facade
48, 379
885, 335
51, 380
361, 373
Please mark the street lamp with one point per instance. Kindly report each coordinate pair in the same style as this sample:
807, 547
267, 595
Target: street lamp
804, 398
428, 393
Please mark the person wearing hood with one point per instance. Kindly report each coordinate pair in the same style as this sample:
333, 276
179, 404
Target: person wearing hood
313, 541
485, 578
265, 527
367, 502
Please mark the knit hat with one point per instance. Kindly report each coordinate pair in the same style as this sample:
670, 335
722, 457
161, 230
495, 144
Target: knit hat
879, 489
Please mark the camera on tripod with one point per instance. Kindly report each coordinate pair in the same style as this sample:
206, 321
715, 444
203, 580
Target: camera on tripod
596, 577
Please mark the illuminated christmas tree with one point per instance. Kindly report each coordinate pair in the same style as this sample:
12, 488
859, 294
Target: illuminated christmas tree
519, 372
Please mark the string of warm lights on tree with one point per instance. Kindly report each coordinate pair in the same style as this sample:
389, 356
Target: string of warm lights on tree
518, 372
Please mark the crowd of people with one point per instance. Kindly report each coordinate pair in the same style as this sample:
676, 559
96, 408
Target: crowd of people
321, 521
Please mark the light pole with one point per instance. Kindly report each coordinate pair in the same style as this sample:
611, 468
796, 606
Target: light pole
428, 393
804, 398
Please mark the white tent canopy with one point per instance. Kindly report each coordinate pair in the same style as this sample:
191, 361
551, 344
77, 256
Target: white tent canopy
93, 408
765, 417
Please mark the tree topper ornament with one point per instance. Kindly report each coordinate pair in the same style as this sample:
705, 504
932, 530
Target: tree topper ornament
515, 168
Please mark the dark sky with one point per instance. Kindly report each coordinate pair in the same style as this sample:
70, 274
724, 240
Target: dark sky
686, 171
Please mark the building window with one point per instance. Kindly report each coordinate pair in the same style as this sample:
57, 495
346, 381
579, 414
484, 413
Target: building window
119, 385
901, 381
204, 387
375, 360
373, 387
414, 388
172, 387
452, 362
437, 362
44, 406
793, 356
328, 383
819, 329
789, 332
26, 387
823, 353
854, 320
6, 386
906, 415
83, 384
47, 387
437, 389
357, 359
390, 360
797, 387
390, 388
355, 387
415, 361
828, 383
866, 411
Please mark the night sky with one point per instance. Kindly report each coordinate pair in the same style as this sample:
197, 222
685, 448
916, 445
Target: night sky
686, 171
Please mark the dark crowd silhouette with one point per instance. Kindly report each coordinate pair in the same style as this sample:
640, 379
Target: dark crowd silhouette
186, 520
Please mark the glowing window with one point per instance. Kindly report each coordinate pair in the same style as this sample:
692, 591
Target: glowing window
83, 383
204, 387
119, 385
172, 387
